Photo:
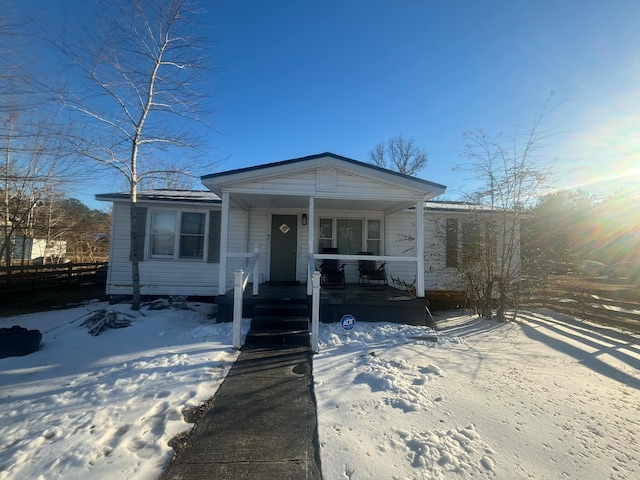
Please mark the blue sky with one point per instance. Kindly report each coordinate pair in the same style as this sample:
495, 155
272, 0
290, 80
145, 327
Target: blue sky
300, 77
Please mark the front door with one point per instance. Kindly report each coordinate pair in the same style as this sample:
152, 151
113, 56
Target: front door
284, 245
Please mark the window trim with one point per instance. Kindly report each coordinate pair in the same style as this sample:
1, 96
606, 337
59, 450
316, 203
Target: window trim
152, 234
207, 238
365, 230
201, 237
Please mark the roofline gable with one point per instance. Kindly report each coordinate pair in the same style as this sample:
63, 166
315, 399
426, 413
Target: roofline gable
244, 172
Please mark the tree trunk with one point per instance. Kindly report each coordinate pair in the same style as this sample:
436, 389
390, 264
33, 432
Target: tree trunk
135, 271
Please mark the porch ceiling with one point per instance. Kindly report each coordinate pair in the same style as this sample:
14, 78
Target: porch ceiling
302, 202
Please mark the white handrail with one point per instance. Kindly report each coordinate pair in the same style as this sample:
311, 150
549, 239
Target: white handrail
380, 258
315, 311
241, 277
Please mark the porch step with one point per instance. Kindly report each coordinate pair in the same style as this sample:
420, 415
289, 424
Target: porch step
279, 325
277, 338
281, 310
275, 322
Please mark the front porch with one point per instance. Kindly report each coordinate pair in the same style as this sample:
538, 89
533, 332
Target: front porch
384, 305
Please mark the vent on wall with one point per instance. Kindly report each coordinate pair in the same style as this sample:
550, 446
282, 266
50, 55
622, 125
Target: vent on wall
326, 180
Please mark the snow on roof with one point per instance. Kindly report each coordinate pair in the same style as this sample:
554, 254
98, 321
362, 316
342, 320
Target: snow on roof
200, 196
462, 207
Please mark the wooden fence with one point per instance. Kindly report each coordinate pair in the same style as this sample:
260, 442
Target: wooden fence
617, 308
33, 277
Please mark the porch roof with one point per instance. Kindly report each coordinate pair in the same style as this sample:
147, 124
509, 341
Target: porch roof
336, 183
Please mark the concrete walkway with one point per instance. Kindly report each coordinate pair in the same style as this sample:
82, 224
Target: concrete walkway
262, 424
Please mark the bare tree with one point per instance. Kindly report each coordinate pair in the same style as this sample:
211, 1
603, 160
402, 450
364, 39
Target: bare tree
513, 174
33, 167
35, 162
399, 154
142, 98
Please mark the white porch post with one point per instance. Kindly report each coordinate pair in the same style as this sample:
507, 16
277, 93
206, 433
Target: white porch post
256, 271
312, 226
420, 247
224, 242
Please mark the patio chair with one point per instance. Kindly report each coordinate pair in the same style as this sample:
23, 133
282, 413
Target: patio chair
332, 272
370, 272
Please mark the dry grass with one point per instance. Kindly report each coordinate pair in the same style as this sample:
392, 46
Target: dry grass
45, 299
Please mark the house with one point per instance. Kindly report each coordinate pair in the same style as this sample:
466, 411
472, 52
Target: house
24, 248
191, 242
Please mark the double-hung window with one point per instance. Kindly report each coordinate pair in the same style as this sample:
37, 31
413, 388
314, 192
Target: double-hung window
374, 236
163, 234
192, 235
178, 235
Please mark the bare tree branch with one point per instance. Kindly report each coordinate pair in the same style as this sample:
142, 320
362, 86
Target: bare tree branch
143, 94
513, 174
399, 154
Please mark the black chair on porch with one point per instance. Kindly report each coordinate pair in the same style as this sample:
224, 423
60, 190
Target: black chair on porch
371, 276
332, 272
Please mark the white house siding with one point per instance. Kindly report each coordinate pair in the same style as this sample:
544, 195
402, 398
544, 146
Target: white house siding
238, 241
437, 275
315, 182
258, 228
400, 241
303, 251
361, 187
157, 277
300, 183
400, 238
119, 275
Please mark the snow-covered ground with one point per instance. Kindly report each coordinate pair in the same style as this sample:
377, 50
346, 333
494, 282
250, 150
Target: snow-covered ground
547, 397
544, 398
105, 407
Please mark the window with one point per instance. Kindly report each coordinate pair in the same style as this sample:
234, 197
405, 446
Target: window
192, 235
452, 242
349, 239
374, 239
187, 240
325, 235
477, 241
350, 235
163, 234
471, 242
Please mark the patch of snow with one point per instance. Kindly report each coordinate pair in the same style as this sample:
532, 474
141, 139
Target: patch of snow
541, 398
547, 396
106, 406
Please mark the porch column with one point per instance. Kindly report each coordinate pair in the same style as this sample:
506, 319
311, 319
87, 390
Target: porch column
311, 242
420, 247
224, 242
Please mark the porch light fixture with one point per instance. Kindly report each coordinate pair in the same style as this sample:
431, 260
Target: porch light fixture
305, 219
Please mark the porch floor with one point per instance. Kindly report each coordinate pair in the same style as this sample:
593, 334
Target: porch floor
366, 305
